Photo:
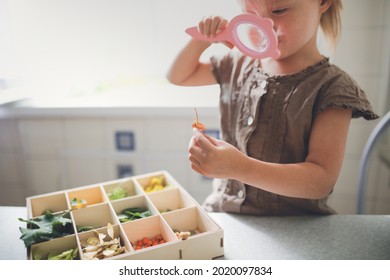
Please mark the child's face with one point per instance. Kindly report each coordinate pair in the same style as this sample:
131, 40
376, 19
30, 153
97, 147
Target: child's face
296, 22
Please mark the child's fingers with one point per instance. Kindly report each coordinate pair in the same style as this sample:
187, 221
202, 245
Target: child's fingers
221, 25
194, 148
204, 26
211, 139
211, 26
193, 161
198, 170
206, 143
198, 133
201, 26
215, 26
196, 155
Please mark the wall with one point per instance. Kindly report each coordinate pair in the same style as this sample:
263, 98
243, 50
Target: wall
46, 154
362, 52
77, 47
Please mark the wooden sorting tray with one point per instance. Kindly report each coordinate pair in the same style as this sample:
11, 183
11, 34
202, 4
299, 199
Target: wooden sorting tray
172, 210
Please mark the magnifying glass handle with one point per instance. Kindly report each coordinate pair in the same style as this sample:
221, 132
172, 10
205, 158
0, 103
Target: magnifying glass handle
194, 33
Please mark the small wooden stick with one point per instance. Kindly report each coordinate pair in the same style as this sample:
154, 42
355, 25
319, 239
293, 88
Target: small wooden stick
197, 124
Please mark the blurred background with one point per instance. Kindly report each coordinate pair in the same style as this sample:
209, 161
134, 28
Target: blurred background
84, 99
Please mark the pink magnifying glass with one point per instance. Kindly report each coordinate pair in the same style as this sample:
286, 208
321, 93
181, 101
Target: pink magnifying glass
252, 35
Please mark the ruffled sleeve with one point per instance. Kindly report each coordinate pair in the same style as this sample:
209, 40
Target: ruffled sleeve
343, 92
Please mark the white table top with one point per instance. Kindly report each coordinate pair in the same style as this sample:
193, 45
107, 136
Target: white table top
344, 237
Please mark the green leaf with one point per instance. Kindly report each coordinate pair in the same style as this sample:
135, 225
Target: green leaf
75, 253
117, 193
66, 255
130, 214
146, 214
46, 227
74, 202
84, 228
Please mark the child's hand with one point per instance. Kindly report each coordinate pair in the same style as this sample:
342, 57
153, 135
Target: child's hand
214, 158
212, 26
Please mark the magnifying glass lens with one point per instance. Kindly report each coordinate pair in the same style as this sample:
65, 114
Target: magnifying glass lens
252, 37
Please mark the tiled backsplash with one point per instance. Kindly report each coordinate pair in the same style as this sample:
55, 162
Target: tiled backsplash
44, 155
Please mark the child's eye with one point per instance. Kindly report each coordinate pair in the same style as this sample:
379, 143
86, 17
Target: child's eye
279, 11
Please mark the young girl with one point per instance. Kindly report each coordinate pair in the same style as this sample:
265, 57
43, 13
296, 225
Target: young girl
284, 121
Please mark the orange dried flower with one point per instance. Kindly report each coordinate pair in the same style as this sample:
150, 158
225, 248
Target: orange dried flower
198, 124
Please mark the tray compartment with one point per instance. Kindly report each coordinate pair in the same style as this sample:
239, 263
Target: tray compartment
133, 202
207, 243
92, 195
38, 205
150, 182
151, 227
190, 219
95, 216
127, 185
56, 246
118, 234
171, 200
46, 227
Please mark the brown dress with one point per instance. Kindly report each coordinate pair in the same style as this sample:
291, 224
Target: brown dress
270, 118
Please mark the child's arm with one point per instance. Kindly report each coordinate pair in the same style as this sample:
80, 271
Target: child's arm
186, 69
312, 179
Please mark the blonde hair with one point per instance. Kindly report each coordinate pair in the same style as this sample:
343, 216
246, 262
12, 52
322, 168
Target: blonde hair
330, 22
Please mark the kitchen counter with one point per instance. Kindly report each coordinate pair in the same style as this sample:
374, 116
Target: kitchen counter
344, 237
154, 99
335, 237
